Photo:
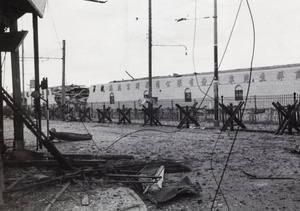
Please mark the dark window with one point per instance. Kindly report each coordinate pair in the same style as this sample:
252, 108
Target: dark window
112, 98
102, 88
146, 95
94, 88
187, 95
238, 93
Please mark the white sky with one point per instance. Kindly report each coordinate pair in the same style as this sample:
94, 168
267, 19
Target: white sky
105, 40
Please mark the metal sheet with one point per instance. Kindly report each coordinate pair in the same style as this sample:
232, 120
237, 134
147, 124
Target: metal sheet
39, 6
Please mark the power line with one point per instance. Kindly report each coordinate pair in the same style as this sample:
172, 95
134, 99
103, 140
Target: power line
232, 145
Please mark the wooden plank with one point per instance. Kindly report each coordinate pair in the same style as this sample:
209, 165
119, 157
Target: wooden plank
57, 196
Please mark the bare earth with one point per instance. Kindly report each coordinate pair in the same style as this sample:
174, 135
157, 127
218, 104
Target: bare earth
204, 150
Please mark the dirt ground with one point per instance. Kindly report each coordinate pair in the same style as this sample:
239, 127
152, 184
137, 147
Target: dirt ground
262, 173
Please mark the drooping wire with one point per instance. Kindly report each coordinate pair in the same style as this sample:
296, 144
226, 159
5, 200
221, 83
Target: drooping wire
128, 134
232, 145
58, 40
206, 94
137, 131
193, 52
252, 58
216, 143
224, 53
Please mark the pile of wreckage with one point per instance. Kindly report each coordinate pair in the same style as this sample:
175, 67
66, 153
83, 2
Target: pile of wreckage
147, 178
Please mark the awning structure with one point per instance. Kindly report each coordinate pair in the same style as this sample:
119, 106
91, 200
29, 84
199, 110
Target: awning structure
11, 41
12, 10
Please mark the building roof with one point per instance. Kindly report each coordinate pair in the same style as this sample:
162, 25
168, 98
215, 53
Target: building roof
175, 75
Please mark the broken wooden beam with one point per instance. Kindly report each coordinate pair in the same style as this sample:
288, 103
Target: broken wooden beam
57, 196
91, 156
170, 166
52, 163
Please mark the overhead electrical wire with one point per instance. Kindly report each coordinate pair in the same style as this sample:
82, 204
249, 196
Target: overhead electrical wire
249, 84
193, 53
224, 53
215, 145
55, 30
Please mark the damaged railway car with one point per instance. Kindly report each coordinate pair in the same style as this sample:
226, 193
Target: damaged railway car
73, 94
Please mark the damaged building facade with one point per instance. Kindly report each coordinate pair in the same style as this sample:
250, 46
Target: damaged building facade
233, 84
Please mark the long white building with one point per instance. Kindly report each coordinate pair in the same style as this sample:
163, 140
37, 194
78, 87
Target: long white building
270, 80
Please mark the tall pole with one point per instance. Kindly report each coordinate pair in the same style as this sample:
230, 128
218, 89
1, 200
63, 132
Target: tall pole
150, 49
63, 85
2, 187
216, 76
37, 73
18, 123
1, 109
23, 83
150, 105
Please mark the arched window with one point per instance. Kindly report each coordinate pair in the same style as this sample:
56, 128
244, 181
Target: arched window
187, 95
238, 93
111, 98
146, 94
102, 88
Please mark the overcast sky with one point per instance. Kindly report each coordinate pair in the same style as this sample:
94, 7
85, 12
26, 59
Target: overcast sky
105, 40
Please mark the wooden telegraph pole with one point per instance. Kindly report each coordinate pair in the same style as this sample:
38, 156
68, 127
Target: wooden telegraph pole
216, 67
63, 86
1, 136
18, 123
150, 49
150, 105
36, 73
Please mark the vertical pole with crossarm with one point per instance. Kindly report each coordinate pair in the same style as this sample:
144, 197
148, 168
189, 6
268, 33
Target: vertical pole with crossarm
37, 73
216, 76
150, 105
150, 49
63, 85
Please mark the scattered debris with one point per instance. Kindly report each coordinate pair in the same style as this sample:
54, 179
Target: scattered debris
97, 156
57, 196
157, 182
119, 198
85, 200
69, 136
251, 176
23, 154
183, 186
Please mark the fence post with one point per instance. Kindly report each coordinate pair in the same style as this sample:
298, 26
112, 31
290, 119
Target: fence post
231, 110
222, 112
255, 108
271, 114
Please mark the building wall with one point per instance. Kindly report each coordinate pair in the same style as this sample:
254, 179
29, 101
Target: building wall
274, 80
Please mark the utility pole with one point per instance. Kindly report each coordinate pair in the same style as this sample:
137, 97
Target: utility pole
18, 123
1, 109
150, 105
150, 49
23, 83
63, 86
2, 187
216, 67
37, 101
